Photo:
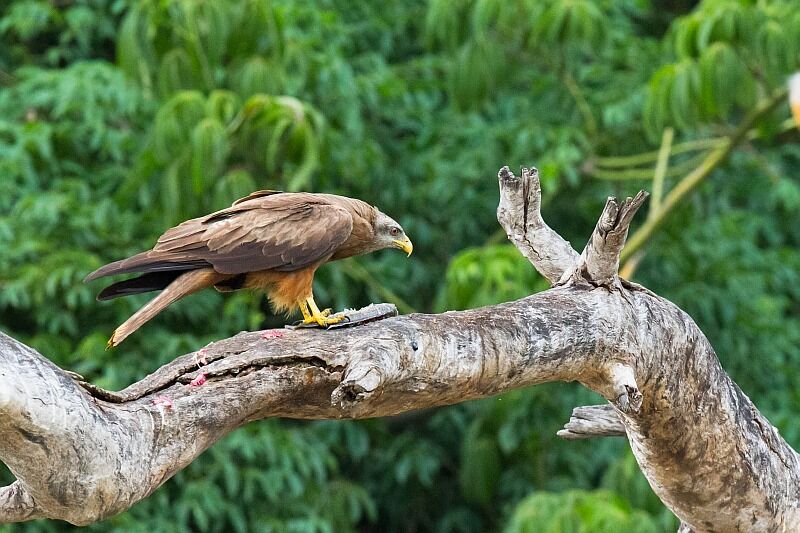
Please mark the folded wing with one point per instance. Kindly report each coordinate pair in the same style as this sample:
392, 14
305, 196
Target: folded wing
285, 232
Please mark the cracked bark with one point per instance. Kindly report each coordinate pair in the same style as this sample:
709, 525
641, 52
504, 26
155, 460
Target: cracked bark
81, 454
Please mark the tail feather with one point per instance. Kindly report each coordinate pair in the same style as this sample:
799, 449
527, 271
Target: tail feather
148, 262
153, 281
184, 285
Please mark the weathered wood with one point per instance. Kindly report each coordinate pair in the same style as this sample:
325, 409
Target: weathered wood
593, 421
599, 261
519, 212
84, 454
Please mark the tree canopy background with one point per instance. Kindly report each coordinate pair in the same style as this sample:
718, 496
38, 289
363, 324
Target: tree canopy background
119, 118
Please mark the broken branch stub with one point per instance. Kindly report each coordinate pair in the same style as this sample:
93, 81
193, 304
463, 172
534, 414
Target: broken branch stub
599, 262
519, 213
593, 421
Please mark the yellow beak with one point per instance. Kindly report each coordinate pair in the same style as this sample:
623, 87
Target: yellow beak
404, 245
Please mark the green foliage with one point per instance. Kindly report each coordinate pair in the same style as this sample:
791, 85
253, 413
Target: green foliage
209, 148
579, 23
121, 117
52, 33
483, 276
480, 467
752, 46
578, 512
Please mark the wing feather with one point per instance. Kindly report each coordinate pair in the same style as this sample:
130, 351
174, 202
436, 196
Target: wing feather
281, 231
266, 230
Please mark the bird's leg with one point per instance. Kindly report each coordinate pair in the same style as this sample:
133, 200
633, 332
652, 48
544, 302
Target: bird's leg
307, 319
310, 309
311, 313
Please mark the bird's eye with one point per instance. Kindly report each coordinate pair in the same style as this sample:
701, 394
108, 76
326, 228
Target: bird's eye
394, 232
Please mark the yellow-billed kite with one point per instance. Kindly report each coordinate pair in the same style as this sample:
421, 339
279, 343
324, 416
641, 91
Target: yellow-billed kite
269, 240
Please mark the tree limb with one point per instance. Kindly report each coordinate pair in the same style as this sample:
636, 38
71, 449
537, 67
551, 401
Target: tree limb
519, 212
660, 171
16, 504
599, 262
82, 454
119, 452
593, 421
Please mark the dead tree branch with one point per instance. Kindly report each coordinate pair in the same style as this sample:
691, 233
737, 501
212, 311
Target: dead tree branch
519, 212
82, 454
599, 262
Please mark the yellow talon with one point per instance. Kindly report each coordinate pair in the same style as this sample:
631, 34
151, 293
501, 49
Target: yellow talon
312, 314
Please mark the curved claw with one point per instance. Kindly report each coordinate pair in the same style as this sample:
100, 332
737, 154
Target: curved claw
312, 314
323, 320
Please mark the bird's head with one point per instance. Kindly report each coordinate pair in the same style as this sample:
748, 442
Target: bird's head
389, 234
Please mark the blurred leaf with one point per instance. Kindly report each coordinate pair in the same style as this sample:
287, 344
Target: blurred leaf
578, 512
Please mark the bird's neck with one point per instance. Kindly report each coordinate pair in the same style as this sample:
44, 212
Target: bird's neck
361, 240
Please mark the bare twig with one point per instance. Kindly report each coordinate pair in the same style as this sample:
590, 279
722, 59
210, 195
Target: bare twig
600, 259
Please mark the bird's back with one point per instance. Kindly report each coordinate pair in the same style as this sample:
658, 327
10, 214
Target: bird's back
264, 230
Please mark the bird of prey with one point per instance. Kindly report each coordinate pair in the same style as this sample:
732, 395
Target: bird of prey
269, 240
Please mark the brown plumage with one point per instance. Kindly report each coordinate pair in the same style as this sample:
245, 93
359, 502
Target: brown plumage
269, 240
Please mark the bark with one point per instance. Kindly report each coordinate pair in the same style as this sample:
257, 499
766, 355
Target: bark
593, 421
82, 454
520, 215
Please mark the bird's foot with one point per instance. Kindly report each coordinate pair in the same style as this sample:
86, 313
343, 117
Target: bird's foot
349, 317
312, 314
323, 319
